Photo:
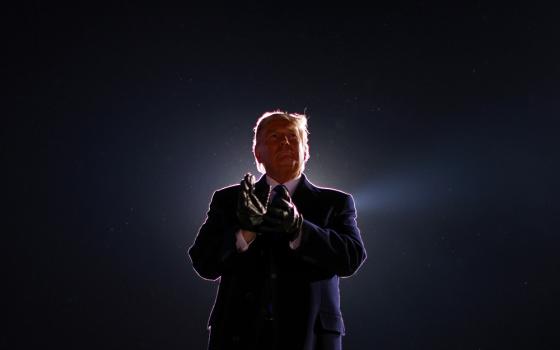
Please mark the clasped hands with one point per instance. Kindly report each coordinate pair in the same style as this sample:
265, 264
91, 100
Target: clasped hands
278, 215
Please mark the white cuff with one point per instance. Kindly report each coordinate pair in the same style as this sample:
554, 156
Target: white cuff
296, 242
240, 242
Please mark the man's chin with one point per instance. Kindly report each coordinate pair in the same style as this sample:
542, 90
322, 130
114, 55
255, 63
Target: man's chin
289, 165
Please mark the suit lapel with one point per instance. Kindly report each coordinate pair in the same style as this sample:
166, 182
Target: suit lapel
304, 195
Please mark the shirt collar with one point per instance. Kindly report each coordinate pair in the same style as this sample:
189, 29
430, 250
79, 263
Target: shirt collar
290, 185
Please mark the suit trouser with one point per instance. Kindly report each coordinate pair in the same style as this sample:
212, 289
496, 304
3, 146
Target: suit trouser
328, 341
322, 340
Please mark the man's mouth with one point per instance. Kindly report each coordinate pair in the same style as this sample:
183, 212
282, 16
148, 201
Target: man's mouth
284, 154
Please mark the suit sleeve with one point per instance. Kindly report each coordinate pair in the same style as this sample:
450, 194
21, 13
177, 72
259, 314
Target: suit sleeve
215, 243
338, 247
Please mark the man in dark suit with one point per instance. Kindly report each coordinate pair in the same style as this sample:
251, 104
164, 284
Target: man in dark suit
278, 248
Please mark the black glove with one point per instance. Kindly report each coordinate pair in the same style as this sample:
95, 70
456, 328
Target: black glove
250, 210
282, 216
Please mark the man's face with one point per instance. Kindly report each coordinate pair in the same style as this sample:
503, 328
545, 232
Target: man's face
281, 150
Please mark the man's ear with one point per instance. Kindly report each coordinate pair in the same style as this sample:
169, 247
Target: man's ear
306, 153
257, 154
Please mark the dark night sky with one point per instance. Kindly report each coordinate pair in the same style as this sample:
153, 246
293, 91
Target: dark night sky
436, 119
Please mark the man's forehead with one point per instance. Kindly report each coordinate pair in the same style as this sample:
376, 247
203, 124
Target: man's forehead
279, 124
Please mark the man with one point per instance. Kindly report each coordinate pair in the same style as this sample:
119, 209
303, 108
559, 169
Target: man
278, 251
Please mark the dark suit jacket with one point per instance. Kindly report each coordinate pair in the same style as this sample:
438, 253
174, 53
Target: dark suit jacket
301, 284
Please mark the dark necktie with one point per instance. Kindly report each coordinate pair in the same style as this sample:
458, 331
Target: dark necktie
278, 189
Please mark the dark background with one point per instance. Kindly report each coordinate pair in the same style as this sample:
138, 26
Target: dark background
126, 118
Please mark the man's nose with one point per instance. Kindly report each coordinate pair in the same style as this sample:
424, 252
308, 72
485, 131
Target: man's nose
284, 140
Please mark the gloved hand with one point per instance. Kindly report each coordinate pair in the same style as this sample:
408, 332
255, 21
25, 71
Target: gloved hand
282, 216
250, 210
